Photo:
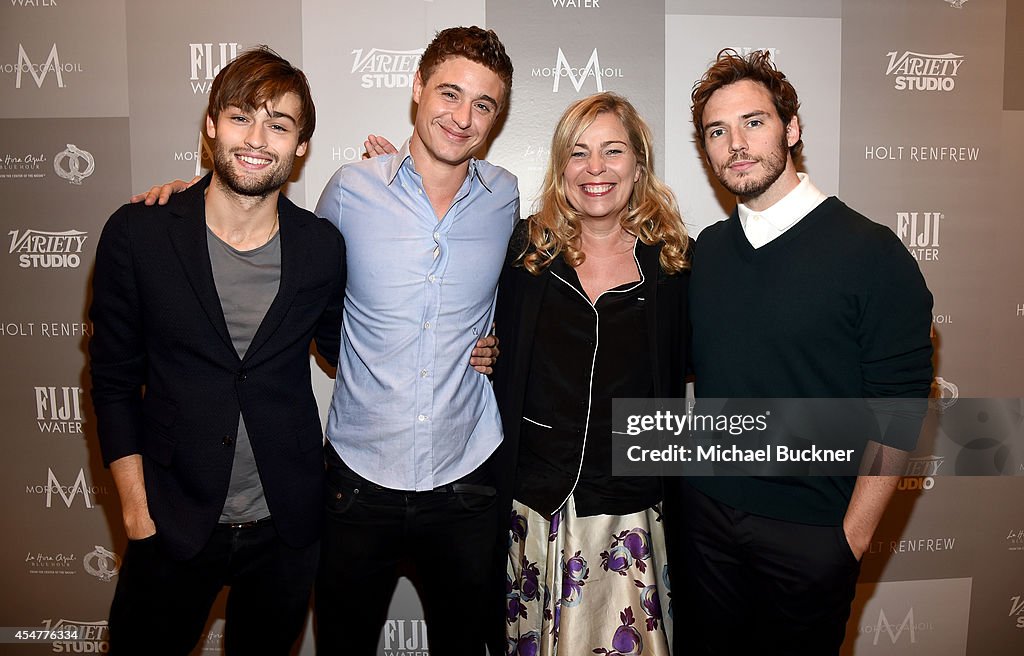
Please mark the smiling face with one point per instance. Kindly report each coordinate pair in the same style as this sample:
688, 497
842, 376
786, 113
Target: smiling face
602, 168
456, 110
747, 144
254, 151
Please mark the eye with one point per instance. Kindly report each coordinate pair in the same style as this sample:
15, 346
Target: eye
484, 107
450, 95
716, 132
277, 127
755, 122
578, 154
238, 118
613, 151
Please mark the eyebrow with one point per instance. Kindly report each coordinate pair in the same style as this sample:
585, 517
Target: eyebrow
757, 112
605, 143
455, 87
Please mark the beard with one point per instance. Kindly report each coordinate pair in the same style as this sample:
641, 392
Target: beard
258, 185
751, 185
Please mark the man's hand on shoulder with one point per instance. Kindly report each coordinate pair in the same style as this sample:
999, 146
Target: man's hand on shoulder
376, 146
160, 194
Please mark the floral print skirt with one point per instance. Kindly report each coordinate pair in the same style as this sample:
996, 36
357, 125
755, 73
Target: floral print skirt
587, 585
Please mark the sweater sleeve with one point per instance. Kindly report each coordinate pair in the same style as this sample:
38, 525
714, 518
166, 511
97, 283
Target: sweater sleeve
895, 342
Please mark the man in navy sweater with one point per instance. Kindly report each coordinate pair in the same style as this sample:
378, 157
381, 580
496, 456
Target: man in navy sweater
795, 295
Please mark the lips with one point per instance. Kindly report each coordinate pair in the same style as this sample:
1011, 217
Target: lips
453, 135
597, 189
253, 161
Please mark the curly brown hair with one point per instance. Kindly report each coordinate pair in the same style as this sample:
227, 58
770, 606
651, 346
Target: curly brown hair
652, 214
757, 66
475, 44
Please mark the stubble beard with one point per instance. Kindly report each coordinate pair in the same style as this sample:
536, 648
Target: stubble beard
251, 185
749, 186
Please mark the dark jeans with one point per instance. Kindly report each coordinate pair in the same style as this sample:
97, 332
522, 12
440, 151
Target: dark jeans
447, 538
746, 584
161, 605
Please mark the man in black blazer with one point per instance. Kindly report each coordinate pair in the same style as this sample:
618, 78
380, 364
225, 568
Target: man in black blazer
203, 312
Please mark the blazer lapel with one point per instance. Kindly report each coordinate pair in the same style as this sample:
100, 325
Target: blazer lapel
188, 238
294, 252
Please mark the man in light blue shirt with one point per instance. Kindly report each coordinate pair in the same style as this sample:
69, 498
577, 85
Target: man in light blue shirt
411, 429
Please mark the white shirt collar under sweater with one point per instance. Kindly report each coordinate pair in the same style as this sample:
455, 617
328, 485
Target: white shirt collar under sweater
762, 227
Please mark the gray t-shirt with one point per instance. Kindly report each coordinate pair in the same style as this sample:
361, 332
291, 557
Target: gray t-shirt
247, 283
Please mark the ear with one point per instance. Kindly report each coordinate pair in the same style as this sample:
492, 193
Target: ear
211, 128
417, 88
639, 170
793, 131
300, 150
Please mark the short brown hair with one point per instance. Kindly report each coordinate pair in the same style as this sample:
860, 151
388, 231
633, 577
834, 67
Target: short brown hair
757, 66
475, 44
258, 76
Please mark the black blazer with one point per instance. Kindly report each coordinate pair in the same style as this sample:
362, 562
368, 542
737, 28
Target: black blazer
519, 298
158, 327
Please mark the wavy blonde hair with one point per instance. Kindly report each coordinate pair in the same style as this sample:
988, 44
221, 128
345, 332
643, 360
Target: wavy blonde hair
652, 214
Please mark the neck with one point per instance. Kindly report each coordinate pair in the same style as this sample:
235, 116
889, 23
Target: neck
603, 237
435, 173
244, 222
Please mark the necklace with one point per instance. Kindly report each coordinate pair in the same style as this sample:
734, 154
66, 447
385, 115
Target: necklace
273, 229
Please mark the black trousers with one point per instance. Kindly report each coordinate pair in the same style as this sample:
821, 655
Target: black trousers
746, 584
161, 605
446, 537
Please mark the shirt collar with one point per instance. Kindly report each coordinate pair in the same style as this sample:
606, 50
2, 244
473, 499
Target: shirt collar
790, 208
403, 156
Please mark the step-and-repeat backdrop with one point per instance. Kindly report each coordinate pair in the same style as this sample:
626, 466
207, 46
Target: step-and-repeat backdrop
913, 113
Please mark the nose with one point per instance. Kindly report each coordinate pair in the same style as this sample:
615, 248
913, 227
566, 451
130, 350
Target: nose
254, 137
595, 163
737, 142
462, 115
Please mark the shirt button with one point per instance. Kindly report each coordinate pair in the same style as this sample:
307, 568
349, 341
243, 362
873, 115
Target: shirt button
423, 373
426, 325
431, 277
228, 440
437, 236
241, 375
422, 417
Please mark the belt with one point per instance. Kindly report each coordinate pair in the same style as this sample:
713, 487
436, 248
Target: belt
252, 524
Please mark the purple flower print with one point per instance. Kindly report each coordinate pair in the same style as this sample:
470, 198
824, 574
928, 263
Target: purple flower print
617, 559
514, 610
650, 602
553, 530
638, 541
627, 548
517, 528
626, 641
529, 586
576, 568
528, 645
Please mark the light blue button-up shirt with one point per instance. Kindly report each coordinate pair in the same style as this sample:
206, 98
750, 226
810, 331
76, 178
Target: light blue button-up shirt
408, 412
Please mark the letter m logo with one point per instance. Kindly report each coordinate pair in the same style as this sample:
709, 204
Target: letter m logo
907, 623
80, 486
593, 65
38, 73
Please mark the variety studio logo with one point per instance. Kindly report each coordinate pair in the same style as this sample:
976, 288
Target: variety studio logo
919, 232
1017, 611
48, 250
74, 164
578, 75
378, 68
40, 72
205, 61
914, 71
89, 637
59, 409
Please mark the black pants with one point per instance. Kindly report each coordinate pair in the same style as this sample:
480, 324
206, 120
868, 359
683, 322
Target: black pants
446, 537
161, 605
746, 584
